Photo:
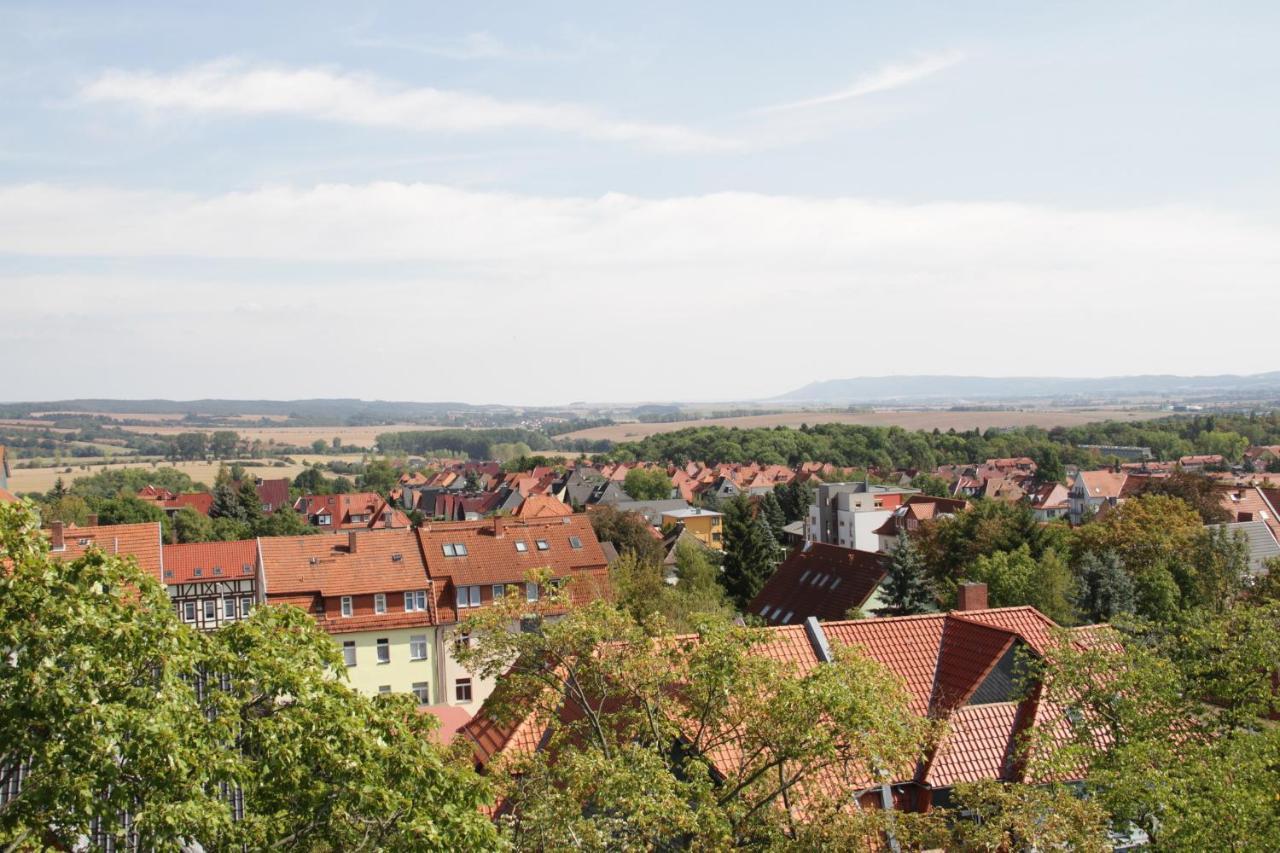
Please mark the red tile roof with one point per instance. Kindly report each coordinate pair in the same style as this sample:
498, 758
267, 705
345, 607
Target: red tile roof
494, 558
384, 561
820, 580
542, 506
977, 746
203, 561
201, 502
142, 541
351, 511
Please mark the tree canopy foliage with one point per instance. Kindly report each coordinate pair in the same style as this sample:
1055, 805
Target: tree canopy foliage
889, 448
131, 728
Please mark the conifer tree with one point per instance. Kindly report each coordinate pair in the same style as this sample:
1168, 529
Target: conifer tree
906, 587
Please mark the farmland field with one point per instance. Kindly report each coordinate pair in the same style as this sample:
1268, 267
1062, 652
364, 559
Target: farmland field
912, 420
42, 479
362, 436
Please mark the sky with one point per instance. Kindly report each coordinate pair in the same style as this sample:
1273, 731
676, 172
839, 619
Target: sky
553, 202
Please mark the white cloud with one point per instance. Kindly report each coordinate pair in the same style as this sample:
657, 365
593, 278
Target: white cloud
541, 280
883, 79
230, 88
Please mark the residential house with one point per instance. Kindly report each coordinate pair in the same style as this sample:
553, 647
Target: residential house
1091, 490
351, 511
1201, 462
1050, 501
541, 506
142, 542
848, 514
819, 580
908, 517
368, 590
703, 524
213, 583
651, 510
1251, 503
1259, 539
472, 563
1262, 457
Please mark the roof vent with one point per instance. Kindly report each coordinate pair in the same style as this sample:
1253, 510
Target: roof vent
315, 561
217, 570
395, 558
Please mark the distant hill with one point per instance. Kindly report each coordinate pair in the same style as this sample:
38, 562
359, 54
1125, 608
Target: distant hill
314, 408
873, 389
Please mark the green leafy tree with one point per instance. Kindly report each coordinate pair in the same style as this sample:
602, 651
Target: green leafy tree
906, 587
192, 526
627, 531
999, 817
118, 712
192, 445
96, 701
128, 510
1049, 467
750, 551
647, 484
379, 476
312, 481
224, 443
931, 484
624, 765
319, 445
1199, 492
1170, 722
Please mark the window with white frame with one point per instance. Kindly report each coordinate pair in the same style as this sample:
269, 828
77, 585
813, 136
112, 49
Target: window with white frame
521, 546
542, 544
189, 611
246, 605
384, 650
530, 591
415, 600
228, 608
349, 652
462, 690
418, 647
575, 542
468, 596
422, 690
380, 603
498, 591
346, 605
210, 609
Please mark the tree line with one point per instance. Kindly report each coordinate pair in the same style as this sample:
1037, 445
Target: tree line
891, 448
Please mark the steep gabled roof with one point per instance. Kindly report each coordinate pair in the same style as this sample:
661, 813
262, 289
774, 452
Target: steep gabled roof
820, 580
323, 564
142, 541
210, 561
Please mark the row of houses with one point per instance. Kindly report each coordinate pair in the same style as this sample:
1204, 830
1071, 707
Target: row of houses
391, 598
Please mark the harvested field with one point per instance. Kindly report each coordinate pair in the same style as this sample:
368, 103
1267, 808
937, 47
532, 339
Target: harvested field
42, 479
912, 420
363, 436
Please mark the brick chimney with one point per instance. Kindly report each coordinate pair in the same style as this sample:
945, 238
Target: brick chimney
91, 520
499, 527
971, 596
56, 540
351, 541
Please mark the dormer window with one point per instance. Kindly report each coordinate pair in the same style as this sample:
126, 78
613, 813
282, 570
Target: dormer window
198, 572
454, 549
